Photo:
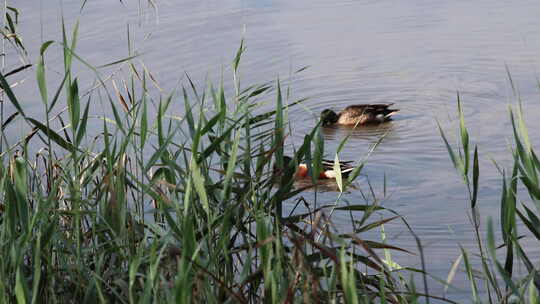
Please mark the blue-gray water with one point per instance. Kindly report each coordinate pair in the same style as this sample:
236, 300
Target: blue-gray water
417, 54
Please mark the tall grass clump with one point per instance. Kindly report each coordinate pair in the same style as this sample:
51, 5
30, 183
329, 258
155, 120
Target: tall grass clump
114, 198
497, 281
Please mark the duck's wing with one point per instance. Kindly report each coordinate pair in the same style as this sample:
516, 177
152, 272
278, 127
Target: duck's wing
345, 166
363, 108
330, 161
370, 109
372, 105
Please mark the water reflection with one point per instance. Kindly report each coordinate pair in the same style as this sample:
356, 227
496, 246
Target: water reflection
369, 132
326, 185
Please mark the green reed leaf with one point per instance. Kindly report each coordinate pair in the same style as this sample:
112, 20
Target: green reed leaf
74, 105
144, 123
360, 208
376, 224
458, 164
531, 222
231, 164
40, 72
470, 275
476, 175
239, 52
40, 75
278, 127
21, 290
533, 292
7, 89
318, 153
81, 132
464, 137
337, 171
52, 135
199, 184
37, 269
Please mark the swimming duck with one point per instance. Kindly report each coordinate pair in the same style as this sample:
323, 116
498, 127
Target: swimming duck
327, 171
358, 114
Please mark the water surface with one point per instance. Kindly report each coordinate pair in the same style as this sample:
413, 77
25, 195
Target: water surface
417, 54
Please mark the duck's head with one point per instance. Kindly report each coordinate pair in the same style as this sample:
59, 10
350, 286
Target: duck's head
284, 171
286, 161
328, 117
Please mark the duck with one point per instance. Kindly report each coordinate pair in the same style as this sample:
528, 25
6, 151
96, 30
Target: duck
327, 169
359, 114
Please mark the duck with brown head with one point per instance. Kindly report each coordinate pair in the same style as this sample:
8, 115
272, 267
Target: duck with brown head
329, 117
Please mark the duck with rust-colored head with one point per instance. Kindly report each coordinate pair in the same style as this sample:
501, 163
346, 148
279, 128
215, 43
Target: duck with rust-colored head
356, 115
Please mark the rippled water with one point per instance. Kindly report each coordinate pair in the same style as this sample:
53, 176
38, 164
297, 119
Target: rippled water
417, 54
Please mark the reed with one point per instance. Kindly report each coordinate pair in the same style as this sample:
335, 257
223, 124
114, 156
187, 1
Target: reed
496, 278
135, 205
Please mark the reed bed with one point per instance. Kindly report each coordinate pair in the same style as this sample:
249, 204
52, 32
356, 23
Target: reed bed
136, 205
